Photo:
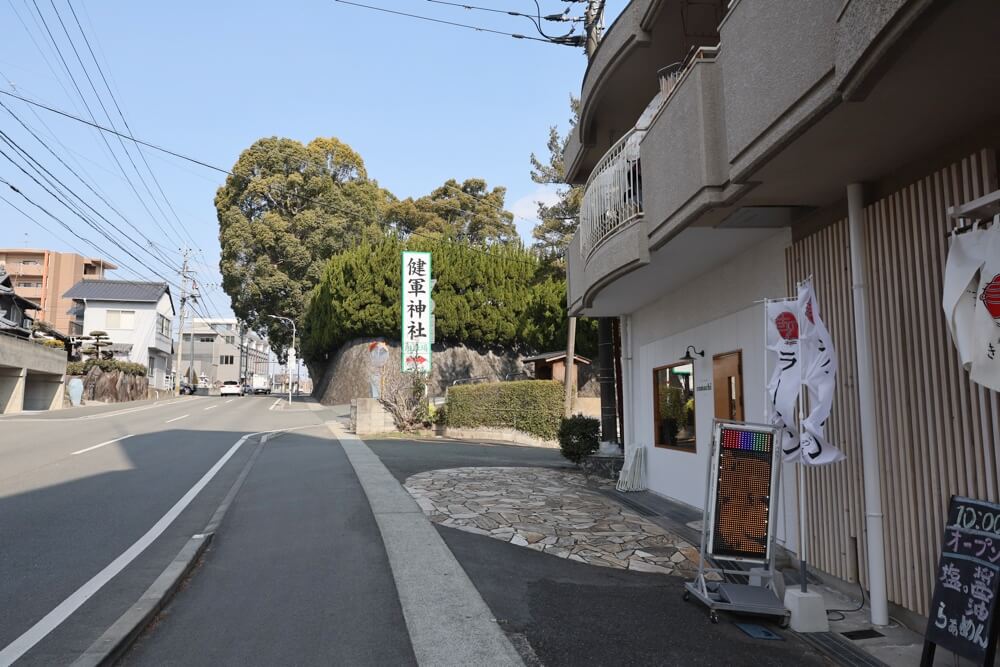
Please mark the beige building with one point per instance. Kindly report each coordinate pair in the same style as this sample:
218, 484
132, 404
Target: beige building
43, 276
728, 150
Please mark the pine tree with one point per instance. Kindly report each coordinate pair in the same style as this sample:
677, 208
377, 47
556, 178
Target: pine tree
559, 221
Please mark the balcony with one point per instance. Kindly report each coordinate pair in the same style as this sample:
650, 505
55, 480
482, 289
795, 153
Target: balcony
613, 195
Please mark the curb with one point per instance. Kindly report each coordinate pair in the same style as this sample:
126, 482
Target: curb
111, 646
119, 637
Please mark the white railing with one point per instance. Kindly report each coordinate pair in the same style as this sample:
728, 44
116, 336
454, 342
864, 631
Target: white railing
613, 196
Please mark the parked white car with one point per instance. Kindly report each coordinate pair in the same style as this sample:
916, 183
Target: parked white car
231, 388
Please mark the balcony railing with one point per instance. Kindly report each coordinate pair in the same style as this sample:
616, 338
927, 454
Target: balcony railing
613, 196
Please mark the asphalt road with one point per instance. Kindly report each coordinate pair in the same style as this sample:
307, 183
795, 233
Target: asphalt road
297, 574
95, 502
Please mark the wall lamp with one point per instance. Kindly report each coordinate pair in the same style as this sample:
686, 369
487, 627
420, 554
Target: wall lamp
687, 354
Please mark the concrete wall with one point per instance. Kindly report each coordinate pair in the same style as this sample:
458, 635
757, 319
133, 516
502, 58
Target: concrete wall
777, 62
681, 167
43, 391
31, 376
717, 313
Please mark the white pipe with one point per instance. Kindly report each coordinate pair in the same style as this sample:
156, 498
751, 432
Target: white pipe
626, 327
866, 402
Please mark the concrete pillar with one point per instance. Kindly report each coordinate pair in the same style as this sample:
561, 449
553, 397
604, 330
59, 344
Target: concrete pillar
12, 382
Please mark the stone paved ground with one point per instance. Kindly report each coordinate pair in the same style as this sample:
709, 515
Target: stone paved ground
551, 511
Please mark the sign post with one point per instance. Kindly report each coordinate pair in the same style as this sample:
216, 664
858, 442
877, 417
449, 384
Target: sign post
417, 330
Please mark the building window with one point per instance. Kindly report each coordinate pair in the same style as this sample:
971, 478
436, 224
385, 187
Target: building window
226, 360
120, 319
727, 384
206, 339
31, 284
673, 406
230, 340
163, 325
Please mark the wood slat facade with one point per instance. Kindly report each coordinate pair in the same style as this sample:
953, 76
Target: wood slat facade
938, 433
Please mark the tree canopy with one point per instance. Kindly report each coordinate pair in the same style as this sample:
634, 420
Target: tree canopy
287, 208
468, 212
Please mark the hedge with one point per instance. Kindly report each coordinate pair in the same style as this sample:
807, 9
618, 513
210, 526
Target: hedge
106, 365
531, 406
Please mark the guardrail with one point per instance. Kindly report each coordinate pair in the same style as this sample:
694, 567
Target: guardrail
613, 195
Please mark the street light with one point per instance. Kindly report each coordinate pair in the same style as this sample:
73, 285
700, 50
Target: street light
292, 322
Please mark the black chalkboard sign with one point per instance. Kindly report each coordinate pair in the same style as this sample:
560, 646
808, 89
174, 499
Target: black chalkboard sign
964, 611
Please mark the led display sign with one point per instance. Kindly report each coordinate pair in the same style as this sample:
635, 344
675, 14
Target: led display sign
740, 527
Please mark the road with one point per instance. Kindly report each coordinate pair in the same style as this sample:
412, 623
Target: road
95, 502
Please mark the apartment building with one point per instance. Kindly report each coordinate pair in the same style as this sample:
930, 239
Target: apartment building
217, 350
730, 149
44, 276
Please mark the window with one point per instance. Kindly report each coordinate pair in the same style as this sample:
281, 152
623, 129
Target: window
230, 340
206, 339
29, 283
226, 360
673, 406
163, 325
120, 319
727, 383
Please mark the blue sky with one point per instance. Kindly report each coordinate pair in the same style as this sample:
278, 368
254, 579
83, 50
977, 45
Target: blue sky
420, 102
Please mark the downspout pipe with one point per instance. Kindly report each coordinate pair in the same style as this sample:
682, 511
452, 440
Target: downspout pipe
866, 403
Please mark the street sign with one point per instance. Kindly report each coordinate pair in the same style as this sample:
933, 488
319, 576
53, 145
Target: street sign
417, 330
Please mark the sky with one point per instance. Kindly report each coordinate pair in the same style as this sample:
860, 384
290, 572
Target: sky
421, 102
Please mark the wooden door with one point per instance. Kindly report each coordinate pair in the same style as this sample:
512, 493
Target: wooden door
727, 383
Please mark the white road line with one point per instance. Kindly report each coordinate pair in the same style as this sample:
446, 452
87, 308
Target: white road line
275, 404
212, 407
230, 400
90, 449
62, 611
176, 419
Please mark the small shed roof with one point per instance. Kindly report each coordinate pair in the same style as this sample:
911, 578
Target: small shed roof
550, 357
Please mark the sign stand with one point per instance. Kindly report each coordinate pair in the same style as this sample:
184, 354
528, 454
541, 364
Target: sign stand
744, 455
965, 612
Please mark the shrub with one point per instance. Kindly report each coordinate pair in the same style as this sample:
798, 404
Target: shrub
404, 396
530, 406
106, 365
579, 437
52, 342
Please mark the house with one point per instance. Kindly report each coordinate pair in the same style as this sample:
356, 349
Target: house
31, 374
43, 276
137, 316
729, 150
14, 309
552, 366
221, 349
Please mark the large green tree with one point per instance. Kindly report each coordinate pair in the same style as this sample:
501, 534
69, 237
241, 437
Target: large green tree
558, 221
469, 212
285, 210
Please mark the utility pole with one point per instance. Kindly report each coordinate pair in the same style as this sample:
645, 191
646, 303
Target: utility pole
180, 327
593, 22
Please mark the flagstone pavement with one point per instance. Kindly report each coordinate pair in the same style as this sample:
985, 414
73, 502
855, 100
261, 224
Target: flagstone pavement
551, 511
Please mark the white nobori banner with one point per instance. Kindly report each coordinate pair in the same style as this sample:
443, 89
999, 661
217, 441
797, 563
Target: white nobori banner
802, 353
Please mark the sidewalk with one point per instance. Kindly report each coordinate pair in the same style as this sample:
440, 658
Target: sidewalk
560, 610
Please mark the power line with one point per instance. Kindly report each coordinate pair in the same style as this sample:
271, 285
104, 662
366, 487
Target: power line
75, 210
87, 185
202, 163
83, 99
442, 21
107, 115
128, 128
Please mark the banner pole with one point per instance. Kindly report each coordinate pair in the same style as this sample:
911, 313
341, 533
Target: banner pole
803, 524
